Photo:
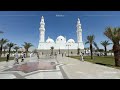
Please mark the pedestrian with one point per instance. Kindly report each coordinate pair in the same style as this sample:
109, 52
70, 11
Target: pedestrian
38, 55
16, 58
7, 57
30, 55
81, 56
22, 56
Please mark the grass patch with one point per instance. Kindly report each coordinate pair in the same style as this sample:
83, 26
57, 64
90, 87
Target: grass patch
4, 59
101, 60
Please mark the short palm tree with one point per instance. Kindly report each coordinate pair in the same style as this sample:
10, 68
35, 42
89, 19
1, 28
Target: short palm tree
27, 46
2, 42
10, 45
114, 35
52, 50
90, 40
16, 48
105, 44
5, 47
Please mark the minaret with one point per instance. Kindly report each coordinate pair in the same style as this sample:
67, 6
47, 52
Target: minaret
42, 30
79, 33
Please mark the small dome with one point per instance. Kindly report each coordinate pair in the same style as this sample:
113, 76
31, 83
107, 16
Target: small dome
70, 41
49, 40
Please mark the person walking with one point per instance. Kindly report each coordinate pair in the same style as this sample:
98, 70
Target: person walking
81, 56
16, 57
30, 55
22, 56
7, 57
38, 56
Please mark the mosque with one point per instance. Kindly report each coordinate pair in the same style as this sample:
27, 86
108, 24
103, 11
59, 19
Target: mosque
61, 43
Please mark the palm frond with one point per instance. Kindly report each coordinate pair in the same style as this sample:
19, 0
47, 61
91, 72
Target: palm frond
113, 34
87, 42
95, 44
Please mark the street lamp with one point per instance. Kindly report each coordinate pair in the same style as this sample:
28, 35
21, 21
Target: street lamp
68, 49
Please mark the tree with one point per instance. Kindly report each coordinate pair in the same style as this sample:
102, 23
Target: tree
101, 50
52, 50
2, 42
16, 48
114, 35
5, 47
27, 46
90, 40
105, 44
78, 51
10, 45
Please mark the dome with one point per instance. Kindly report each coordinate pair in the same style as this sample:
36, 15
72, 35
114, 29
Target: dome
49, 40
60, 39
70, 41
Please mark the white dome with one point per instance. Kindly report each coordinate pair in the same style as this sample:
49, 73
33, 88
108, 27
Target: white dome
49, 40
60, 39
70, 41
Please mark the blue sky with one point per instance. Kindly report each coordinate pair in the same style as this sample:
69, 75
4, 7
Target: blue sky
23, 26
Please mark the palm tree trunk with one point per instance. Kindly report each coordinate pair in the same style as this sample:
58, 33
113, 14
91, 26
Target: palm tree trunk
27, 53
9, 52
105, 51
116, 49
91, 51
1, 50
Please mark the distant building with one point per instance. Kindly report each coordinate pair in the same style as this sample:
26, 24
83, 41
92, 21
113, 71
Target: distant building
61, 43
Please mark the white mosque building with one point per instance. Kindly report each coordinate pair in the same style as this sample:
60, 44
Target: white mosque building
61, 43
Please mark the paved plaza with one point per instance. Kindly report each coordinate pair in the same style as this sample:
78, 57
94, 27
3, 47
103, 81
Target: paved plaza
56, 68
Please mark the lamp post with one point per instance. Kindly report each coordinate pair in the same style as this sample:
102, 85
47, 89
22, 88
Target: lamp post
68, 49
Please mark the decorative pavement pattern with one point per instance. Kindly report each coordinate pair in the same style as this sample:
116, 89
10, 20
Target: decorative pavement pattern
56, 68
43, 68
33, 66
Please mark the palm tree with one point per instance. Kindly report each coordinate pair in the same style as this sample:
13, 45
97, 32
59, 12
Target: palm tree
16, 48
52, 50
105, 44
2, 42
114, 35
10, 45
90, 40
27, 46
5, 47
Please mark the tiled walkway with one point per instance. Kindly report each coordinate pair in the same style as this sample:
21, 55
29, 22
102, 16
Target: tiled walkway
66, 68
76, 69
